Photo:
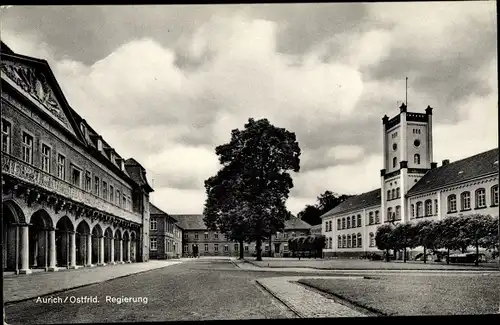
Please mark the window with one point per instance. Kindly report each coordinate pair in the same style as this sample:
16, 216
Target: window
124, 200
97, 186
372, 240
436, 207
6, 136
413, 210
285, 235
293, 234
267, 247
389, 214
394, 162
338, 224
153, 245
348, 222
75, 176
246, 248
416, 143
480, 198
88, 181
388, 194
398, 212
329, 243
339, 242
494, 195
452, 203
118, 198
206, 235
353, 221
111, 193
186, 248
397, 192
216, 247
196, 235
393, 193
27, 148
45, 158
344, 243
359, 220
343, 223
104, 190
428, 208
154, 224
186, 236
416, 159
226, 248
353, 238
206, 247
370, 219
236, 247
465, 200
216, 235
330, 225
419, 209
61, 166
348, 241
360, 240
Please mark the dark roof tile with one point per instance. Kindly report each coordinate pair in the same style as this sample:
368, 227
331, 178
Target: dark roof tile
190, 221
462, 170
357, 202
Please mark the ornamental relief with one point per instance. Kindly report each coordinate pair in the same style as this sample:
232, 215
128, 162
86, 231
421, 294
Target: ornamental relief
35, 84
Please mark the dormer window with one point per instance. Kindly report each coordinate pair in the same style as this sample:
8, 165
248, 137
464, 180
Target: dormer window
83, 128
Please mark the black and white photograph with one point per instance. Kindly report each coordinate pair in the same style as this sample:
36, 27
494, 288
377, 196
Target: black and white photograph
249, 161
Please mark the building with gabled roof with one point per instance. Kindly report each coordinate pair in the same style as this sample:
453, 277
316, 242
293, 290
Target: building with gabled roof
69, 199
413, 187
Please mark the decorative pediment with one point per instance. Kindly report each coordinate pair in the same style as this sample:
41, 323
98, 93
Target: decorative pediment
34, 82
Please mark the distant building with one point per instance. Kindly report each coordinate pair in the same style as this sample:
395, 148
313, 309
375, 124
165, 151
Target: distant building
165, 235
196, 236
69, 199
413, 187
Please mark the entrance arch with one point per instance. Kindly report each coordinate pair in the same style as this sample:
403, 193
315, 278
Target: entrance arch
96, 244
82, 239
41, 223
108, 239
125, 247
118, 245
12, 215
63, 229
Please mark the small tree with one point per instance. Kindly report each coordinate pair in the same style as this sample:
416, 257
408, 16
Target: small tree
403, 237
490, 242
475, 230
383, 239
449, 238
425, 236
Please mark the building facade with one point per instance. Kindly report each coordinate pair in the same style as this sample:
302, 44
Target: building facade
165, 235
68, 198
413, 187
197, 238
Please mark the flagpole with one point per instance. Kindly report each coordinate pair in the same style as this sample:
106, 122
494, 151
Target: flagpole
406, 100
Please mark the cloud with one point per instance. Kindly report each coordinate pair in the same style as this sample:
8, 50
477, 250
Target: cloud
169, 91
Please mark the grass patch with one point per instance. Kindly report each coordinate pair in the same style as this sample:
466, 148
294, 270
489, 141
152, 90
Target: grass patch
417, 295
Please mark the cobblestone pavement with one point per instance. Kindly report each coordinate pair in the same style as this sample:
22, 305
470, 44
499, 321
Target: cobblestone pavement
21, 287
358, 272
304, 302
194, 290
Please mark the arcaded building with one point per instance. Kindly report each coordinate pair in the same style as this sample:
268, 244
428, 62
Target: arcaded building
69, 199
413, 187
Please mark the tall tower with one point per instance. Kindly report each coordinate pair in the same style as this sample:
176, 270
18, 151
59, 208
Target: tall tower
407, 140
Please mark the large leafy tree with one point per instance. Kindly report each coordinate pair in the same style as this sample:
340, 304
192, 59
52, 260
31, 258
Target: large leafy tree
402, 237
475, 228
255, 174
426, 236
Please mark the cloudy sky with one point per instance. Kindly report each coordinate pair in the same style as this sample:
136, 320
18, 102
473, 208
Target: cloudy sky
166, 84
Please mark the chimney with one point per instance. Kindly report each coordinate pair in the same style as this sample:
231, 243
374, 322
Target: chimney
445, 162
433, 165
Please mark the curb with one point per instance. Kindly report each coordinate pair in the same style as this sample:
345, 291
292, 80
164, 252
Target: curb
299, 315
6, 303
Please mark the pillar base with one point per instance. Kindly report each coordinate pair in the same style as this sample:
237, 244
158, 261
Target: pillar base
52, 269
74, 267
128, 262
101, 264
25, 271
90, 265
112, 263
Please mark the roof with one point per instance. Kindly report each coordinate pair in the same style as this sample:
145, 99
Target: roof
356, 202
153, 209
466, 169
137, 174
190, 221
296, 223
4, 48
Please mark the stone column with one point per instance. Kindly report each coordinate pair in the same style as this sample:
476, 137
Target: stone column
101, 251
128, 251
112, 256
52, 250
121, 251
89, 250
72, 250
25, 269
